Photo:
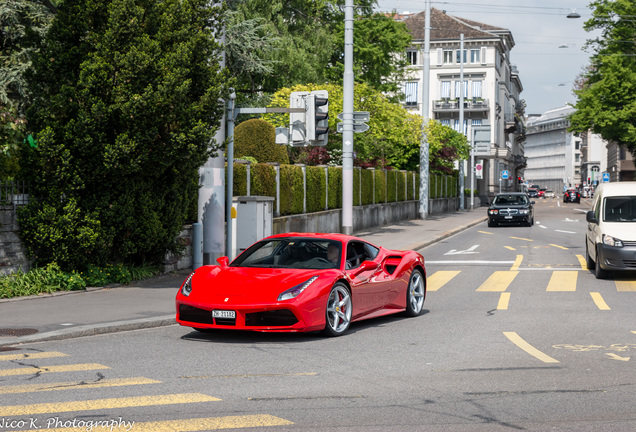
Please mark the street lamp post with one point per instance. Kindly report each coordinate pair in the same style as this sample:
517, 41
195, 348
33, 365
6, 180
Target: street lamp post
424, 146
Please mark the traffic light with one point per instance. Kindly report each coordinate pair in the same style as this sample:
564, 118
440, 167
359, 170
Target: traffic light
519, 180
297, 129
317, 120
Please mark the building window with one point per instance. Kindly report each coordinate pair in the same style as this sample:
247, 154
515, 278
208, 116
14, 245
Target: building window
477, 89
476, 122
411, 57
474, 55
445, 122
458, 91
577, 158
410, 91
577, 145
448, 56
459, 59
445, 90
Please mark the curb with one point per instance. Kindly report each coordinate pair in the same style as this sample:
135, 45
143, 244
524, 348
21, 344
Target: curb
92, 330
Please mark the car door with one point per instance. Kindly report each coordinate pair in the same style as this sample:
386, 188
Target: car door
368, 287
593, 229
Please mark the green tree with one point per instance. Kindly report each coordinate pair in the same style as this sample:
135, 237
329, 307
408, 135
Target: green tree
22, 23
446, 146
607, 95
125, 104
378, 53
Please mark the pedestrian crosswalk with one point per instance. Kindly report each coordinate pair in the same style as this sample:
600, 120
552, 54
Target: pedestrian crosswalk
562, 279
75, 414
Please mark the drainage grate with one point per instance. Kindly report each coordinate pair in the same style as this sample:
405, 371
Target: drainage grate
17, 331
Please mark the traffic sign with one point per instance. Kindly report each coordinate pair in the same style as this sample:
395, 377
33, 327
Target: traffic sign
358, 116
606, 178
505, 174
357, 127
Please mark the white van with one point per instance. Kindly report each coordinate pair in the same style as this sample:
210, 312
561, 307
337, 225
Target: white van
610, 241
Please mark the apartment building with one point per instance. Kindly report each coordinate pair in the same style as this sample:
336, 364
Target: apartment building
491, 90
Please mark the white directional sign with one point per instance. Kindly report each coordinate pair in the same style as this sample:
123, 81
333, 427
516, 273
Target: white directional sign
505, 174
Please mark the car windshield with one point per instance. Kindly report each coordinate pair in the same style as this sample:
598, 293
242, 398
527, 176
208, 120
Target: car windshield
620, 209
510, 200
296, 253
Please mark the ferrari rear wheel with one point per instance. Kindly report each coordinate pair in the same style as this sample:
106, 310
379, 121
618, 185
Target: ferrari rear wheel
338, 310
415, 294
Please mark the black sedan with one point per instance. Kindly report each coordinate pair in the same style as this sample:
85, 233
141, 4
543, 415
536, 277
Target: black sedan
511, 208
572, 195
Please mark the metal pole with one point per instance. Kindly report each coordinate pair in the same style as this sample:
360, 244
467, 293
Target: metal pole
230, 174
461, 117
424, 147
347, 133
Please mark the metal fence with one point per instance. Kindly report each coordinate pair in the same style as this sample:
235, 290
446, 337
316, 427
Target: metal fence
14, 192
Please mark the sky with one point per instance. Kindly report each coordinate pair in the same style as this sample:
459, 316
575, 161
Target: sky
549, 47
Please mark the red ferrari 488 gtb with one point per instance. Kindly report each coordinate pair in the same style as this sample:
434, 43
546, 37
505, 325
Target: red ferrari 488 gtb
299, 282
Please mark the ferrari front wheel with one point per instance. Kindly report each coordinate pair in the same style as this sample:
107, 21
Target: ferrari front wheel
415, 294
338, 310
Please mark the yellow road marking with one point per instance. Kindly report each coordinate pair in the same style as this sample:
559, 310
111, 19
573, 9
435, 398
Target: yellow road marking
562, 281
504, 300
51, 369
625, 286
485, 232
510, 248
439, 279
557, 246
517, 340
582, 262
189, 425
498, 281
24, 356
31, 388
521, 238
517, 263
98, 404
598, 299
617, 357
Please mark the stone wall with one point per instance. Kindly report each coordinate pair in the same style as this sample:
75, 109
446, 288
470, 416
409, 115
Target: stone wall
12, 256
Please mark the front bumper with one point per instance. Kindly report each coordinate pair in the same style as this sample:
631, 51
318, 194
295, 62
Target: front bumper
617, 258
264, 318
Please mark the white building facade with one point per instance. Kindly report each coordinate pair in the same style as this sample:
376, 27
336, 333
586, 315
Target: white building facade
491, 92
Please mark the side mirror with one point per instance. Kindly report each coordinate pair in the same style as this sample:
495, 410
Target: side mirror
368, 266
223, 261
591, 217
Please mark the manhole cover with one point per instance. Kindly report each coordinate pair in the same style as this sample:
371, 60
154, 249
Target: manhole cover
17, 331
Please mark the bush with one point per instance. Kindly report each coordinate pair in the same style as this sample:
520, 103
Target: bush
40, 280
256, 138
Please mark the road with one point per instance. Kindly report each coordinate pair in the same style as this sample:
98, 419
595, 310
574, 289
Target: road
516, 335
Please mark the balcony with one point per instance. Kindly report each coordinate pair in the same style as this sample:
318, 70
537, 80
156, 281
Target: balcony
446, 105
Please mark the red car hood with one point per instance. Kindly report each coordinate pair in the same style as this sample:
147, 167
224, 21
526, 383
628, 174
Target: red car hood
245, 285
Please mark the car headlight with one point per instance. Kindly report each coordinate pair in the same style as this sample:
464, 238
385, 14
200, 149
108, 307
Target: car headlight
493, 211
612, 241
524, 211
186, 288
293, 292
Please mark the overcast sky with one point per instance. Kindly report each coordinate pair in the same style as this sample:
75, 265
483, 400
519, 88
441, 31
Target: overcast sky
540, 29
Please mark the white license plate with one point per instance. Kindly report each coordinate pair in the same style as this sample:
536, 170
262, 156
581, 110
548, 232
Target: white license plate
223, 314
508, 217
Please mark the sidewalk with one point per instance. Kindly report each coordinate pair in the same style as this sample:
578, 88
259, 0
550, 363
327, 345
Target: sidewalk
150, 303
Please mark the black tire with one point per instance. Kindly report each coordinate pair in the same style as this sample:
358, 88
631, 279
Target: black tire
338, 311
491, 224
588, 259
415, 294
598, 271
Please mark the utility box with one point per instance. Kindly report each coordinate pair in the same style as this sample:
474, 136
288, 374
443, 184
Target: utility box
253, 221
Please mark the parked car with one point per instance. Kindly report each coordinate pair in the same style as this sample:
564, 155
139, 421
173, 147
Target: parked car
511, 208
548, 194
610, 241
303, 282
572, 195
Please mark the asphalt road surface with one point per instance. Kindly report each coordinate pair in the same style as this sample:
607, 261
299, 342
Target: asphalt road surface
516, 336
